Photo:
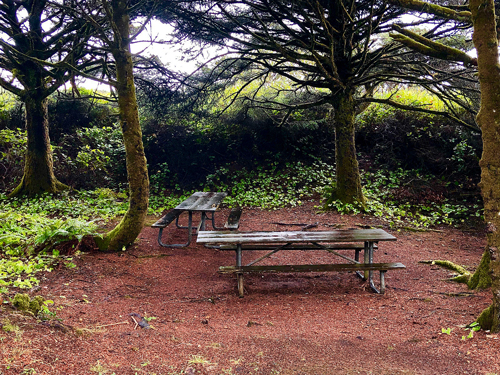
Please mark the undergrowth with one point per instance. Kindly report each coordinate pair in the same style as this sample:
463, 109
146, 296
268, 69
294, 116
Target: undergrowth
410, 199
402, 198
273, 186
31, 229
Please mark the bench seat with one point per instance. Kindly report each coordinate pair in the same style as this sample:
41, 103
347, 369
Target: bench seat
167, 218
233, 220
356, 267
313, 268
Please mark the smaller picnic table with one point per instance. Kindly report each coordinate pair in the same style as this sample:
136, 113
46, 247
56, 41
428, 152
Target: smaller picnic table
330, 241
203, 202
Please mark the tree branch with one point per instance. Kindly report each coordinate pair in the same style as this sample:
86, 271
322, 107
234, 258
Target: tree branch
430, 48
406, 107
9, 87
437, 10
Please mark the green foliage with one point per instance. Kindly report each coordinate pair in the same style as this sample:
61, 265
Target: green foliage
463, 152
446, 330
473, 327
68, 114
31, 229
390, 199
274, 186
12, 150
100, 204
9, 105
378, 113
91, 157
401, 139
402, 198
163, 199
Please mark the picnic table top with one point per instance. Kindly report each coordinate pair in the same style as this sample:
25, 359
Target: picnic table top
348, 235
202, 201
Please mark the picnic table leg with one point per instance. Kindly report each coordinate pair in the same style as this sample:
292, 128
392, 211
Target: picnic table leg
212, 219
239, 276
366, 259
190, 227
382, 282
190, 234
370, 273
203, 218
369, 245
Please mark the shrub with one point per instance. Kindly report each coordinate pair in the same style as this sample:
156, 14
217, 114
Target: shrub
12, 149
91, 158
400, 139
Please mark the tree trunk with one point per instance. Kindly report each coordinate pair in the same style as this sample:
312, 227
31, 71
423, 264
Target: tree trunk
348, 179
486, 43
131, 224
38, 174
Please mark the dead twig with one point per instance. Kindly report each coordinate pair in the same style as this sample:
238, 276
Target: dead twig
309, 226
112, 324
135, 321
291, 224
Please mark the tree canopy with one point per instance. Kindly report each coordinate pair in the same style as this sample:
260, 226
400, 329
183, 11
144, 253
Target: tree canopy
333, 52
40, 43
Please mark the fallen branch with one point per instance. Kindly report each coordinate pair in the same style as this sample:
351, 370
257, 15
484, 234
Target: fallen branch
310, 226
291, 224
112, 324
457, 294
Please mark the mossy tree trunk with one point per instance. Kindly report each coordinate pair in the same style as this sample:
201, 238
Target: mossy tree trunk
131, 225
486, 43
481, 278
38, 176
348, 180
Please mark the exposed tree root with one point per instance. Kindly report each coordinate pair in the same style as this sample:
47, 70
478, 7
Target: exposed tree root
481, 278
464, 275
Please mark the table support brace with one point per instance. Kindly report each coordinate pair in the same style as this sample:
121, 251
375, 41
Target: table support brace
190, 233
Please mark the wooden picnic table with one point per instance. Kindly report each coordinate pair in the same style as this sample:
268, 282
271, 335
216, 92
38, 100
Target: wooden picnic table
203, 202
331, 241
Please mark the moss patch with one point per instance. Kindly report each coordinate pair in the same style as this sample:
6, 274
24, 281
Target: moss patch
22, 302
485, 319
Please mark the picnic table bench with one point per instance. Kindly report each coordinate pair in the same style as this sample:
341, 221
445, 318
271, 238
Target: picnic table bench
204, 202
331, 241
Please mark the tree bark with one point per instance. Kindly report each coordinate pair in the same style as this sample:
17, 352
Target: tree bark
131, 225
486, 43
348, 180
38, 175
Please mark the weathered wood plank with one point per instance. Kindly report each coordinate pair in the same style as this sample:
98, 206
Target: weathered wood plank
355, 235
313, 268
233, 220
167, 218
298, 246
202, 201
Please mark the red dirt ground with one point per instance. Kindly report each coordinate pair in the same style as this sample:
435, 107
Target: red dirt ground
317, 323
